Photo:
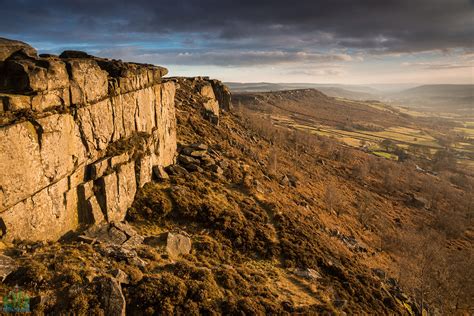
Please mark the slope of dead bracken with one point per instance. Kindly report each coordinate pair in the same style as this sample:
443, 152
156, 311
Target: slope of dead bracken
280, 222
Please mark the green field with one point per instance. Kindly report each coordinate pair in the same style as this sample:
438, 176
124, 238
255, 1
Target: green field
402, 137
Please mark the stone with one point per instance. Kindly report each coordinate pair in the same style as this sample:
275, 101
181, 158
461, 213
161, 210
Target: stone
119, 159
207, 161
190, 151
96, 215
33, 76
145, 174
15, 102
117, 192
216, 169
187, 160
126, 228
74, 54
198, 154
127, 188
308, 273
223, 164
193, 167
166, 146
8, 47
145, 118
379, 273
417, 201
177, 245
284, 180
107, 234
222, 94
120, 276
160, 173
61, 146
78, 176
199, 146
133, 242
176, 170
21, 169
89, 82
111, 297
96, 125
47, 215
98, 169
7, 266
211, 105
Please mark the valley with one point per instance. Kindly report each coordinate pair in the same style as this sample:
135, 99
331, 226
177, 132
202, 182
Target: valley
386, 131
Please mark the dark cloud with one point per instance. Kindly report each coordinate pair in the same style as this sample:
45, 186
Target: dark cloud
232, 58
254, 28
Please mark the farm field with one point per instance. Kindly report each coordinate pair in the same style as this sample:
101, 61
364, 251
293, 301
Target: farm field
384, 130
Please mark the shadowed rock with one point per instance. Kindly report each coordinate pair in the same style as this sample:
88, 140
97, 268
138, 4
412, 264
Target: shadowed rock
9, 47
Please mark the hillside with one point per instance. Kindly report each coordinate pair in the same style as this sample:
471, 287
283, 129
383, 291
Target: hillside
437, 97
336, 90
160, 196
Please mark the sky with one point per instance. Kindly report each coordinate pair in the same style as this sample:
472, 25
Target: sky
318, 41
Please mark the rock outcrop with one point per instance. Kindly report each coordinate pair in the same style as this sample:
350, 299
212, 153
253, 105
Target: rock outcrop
78, 135
8, 47
212, 94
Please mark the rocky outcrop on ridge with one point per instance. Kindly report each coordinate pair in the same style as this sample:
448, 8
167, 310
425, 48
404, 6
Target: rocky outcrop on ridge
78, 136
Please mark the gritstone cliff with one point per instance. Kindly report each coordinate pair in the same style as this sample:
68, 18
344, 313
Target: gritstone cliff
79, 135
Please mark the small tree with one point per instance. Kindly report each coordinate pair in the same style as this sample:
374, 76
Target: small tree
365, 211
387, 144
332, 198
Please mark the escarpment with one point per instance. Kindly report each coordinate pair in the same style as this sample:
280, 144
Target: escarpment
79, 135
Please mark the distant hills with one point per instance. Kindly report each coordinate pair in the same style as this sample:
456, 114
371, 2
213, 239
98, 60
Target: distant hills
440, 97
443, 96
355, 92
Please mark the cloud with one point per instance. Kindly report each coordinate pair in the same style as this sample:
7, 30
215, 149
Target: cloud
437, 65
389, 25
315, 72
228, 58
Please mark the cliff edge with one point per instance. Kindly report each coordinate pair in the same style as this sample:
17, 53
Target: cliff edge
78, 136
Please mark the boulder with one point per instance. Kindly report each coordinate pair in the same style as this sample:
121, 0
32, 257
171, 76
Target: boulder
193, 167
9, 47
120, 276
176, 170
111, 296
187, 160
160, 173
210, 104
417, 201
74, 54
199, 146
222, 94
177, 245
379, 273
308, 273
7, 266
216, 169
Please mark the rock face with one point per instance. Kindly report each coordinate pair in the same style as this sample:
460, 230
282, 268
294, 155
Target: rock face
78, 134
9, 47
214, 95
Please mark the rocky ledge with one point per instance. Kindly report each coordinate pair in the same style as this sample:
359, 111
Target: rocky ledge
78, 136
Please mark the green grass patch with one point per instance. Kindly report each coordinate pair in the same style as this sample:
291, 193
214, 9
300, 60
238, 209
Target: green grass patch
385, 155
